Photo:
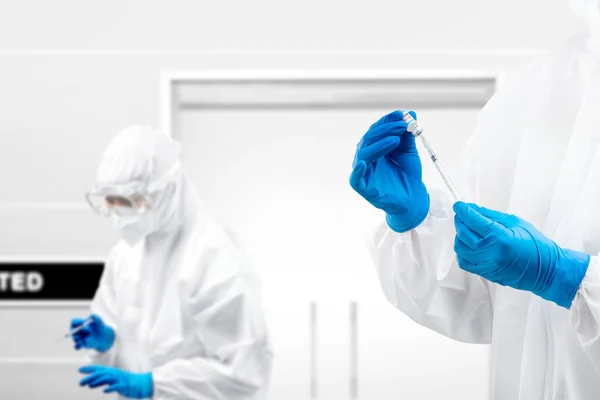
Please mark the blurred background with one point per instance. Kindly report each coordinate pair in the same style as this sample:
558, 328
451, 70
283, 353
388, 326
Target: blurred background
269, 99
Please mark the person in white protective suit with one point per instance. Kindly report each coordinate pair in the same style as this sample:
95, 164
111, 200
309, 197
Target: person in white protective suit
518, 267
177, 314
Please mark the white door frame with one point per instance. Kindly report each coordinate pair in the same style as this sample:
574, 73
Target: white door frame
263, 82
169, 102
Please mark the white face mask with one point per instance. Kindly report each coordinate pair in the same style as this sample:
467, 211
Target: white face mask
133, 229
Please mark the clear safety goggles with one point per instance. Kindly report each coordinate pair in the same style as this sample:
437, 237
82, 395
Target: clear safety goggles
129, 200
126, 201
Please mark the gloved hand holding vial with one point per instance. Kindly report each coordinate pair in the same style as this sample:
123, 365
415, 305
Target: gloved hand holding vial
387, 170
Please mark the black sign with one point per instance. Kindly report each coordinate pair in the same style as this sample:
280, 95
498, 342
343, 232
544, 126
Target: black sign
49, 280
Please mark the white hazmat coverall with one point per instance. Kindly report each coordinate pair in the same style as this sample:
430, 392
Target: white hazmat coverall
535, 154
183, 301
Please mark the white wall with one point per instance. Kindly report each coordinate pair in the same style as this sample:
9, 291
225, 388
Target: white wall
59, 106
283, 25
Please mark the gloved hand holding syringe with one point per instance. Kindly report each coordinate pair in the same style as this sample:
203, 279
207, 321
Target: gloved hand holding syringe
417, 131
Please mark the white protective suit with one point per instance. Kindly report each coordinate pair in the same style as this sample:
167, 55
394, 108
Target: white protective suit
183, 301
535, 154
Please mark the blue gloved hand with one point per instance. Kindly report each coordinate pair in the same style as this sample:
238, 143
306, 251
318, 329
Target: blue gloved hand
128, 384
97, 335
504, 249
387, 173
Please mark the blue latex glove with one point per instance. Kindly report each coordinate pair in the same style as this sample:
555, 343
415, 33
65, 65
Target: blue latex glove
97, 335
128, 384
387, 173
504, 249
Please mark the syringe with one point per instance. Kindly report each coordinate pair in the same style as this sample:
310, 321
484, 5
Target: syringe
417, 131
75, 330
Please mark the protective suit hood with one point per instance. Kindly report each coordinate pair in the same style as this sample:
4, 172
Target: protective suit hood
586, 9
143, 155
589, 12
